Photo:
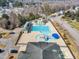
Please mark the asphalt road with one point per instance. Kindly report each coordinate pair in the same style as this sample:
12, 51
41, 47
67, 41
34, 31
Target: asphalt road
72, 31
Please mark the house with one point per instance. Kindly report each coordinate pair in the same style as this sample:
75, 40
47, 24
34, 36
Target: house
41, 50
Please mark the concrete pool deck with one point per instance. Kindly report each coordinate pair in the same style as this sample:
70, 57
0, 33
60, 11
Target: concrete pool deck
30, 37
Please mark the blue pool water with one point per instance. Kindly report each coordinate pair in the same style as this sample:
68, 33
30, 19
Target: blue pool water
42, 29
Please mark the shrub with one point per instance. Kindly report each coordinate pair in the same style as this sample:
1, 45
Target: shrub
5, 16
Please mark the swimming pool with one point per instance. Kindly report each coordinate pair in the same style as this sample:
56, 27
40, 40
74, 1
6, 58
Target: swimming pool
41, 28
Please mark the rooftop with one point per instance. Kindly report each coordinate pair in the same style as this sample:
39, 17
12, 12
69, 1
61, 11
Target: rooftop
41, 50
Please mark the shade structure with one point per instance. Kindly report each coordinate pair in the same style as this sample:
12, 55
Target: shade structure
56, 36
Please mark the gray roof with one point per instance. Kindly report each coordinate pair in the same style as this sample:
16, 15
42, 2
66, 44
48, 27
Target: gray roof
41, 50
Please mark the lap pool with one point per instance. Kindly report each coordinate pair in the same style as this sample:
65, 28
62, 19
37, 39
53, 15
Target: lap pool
42, 29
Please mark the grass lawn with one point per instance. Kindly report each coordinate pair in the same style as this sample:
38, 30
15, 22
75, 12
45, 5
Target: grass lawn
73, 23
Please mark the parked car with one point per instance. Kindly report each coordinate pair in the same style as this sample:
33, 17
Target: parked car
14, 51
12, 32
1, 51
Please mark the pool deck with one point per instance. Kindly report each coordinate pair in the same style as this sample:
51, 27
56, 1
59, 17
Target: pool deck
30, 37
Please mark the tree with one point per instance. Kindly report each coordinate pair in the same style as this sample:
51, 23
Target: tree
31, 16
67, 14
18, 4
77, 13
37, 16
22, 19
77, 19
11, 1
3, 2
77, 16
74, 7
5, 16
70, 14
14, 21
46, 9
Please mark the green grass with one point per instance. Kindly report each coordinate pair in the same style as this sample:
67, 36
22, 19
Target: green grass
73, 24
